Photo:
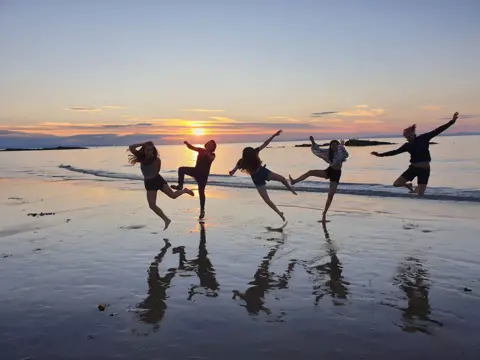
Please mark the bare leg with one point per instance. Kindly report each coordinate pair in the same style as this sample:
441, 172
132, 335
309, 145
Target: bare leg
201, 193
152, 203
421, 189
331, 193
263, 193
175, 194
275, 177
401, 182
316, 173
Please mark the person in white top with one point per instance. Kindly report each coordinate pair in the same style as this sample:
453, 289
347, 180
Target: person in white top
335, 155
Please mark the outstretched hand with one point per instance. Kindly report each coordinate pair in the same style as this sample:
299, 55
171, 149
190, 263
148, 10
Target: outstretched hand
278, 133
375, 153
455, 116
231, 172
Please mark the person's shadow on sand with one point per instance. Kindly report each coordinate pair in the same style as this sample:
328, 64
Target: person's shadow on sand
201, 266
152, 309
335, 285
263, 281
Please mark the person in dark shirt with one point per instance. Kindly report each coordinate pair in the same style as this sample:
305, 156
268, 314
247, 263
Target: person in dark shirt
251, 163
418, 147
200, 172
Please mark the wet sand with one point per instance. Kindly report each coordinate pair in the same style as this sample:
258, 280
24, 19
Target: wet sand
373, 283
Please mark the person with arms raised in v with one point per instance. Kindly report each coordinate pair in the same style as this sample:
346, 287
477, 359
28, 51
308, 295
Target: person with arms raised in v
251, 163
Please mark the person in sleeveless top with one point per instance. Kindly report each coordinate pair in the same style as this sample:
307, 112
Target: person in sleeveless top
200, 172
146, 154
251, 163
335, 155
419, 149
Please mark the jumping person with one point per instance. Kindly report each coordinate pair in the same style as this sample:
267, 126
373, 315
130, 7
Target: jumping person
335, 155
418, 147
251, 163
150, 165
200, 172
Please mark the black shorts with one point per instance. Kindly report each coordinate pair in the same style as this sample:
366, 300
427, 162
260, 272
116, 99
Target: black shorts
155, 183
421, 174
260, 177
333, 174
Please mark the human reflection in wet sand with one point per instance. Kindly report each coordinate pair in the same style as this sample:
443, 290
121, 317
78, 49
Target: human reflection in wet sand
202, 266
335, 285
413, 279
263, 281
152, 309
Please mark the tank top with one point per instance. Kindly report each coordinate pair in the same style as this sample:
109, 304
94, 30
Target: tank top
150, 169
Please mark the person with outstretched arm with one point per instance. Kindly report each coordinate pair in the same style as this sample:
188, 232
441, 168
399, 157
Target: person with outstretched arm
419, 149
335, 156
200, 172
251, 163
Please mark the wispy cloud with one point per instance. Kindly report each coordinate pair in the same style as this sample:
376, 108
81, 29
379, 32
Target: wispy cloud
287, 119
84, 109
367, 122
363, 111
361, 106
323, 113
223, 119
114, 107
203, 110
432, 107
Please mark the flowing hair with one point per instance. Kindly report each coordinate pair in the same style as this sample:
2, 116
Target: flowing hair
331, 153
250, 161
139, 156
410, 129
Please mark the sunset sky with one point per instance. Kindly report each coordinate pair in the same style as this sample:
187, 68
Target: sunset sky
109, 72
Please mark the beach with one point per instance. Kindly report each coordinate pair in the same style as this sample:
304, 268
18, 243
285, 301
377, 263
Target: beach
389, 275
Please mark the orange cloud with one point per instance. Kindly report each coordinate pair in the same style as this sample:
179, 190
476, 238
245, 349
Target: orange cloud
363, 112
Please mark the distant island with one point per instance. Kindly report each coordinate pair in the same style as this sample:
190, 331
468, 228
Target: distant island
356, 142
44, 149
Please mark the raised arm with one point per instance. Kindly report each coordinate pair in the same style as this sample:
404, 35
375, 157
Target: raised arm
441, 129
400, 150
191, 147
133, 147
269, 140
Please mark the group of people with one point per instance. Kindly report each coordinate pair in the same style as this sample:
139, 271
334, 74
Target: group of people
146, 154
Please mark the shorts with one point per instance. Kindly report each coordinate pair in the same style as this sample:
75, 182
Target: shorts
333, 174
155, 183
260, 177
421, 174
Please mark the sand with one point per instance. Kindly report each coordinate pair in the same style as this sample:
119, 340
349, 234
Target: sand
388, 277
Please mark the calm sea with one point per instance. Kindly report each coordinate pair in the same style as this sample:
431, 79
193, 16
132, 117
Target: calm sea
455, 172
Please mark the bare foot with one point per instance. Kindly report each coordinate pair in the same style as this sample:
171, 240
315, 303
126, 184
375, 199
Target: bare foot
189, 192
167, 223
281, 215
291, 179
293, 192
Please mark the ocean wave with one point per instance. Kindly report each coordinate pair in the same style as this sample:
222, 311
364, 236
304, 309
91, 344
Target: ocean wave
360, 189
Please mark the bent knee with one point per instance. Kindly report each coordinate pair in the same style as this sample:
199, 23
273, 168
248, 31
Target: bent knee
152, 205
399, 183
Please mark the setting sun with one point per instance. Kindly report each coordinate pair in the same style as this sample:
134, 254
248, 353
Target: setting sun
198, 131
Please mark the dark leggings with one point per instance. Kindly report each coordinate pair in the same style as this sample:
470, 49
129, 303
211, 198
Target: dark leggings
200, 178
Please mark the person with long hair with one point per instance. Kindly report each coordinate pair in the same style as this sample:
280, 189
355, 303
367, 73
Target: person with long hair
251, 164
335, 155
146, 154
200, 172
419, 149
